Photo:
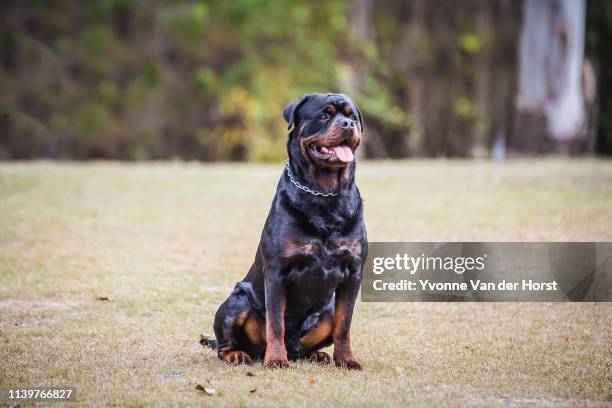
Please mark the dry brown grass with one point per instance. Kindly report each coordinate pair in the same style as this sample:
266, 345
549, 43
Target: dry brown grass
166, 242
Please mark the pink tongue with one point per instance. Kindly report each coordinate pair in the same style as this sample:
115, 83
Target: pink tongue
344, 153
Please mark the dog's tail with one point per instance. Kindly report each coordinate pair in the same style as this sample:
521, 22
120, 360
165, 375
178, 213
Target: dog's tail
206, 342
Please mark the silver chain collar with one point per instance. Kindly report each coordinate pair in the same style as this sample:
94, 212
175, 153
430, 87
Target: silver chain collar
304, 188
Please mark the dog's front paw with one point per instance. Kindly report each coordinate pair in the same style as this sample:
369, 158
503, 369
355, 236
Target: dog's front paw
347, 361
276, 363
276, 360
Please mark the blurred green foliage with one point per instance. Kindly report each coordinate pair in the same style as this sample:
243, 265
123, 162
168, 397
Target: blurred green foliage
207, 80
144, 80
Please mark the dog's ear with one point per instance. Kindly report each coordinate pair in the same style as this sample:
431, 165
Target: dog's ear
289, 113
360, 118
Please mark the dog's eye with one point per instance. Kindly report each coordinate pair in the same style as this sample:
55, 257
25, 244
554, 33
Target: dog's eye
324, 116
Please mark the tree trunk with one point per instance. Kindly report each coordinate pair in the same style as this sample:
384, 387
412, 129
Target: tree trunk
363, 32
550, 112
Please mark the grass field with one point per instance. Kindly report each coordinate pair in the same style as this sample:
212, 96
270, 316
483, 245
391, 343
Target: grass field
166, 242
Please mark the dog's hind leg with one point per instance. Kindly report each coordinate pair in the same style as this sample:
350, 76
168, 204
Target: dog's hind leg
239, 329
316, 333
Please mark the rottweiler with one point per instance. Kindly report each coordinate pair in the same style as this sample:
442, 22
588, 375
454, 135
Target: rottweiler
299, 294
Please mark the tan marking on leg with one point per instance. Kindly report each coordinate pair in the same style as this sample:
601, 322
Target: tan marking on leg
239, 321
254, 330
339, 312
276, 351
317, 334
343, 356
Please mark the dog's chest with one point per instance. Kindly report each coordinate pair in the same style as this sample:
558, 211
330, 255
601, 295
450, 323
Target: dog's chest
314, 268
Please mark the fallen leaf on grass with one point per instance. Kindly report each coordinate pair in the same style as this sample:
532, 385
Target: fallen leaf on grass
253, 390
103, 298
207, 391
312, 381
250, 374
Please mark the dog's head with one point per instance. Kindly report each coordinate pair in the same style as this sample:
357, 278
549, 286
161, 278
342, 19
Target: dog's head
326, 130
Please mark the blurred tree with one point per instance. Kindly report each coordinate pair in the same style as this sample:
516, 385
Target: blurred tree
130, 79
599, 50
206, 80
550, 101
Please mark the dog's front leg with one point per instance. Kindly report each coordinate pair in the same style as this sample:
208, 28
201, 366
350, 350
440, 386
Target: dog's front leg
346, 294
276, 352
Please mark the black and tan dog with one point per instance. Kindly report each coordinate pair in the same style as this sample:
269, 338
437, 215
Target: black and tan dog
300, 292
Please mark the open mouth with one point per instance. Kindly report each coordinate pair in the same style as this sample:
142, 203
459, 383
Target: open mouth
341, 153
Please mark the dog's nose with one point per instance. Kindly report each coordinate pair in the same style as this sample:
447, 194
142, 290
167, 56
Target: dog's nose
347, 123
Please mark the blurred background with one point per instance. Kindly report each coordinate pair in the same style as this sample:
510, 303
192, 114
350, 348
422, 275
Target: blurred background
206, 80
